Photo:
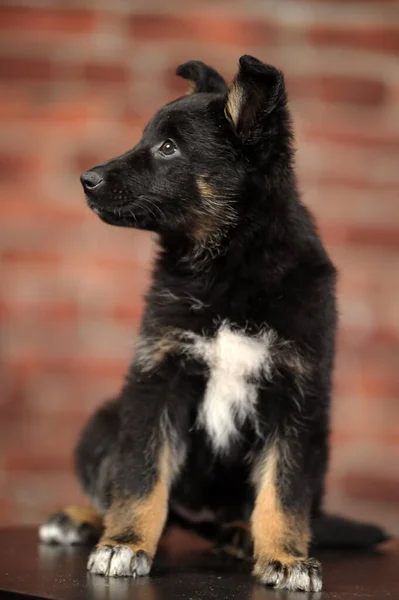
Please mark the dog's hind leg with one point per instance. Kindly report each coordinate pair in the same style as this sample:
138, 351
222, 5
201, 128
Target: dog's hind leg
74, 525
94, 465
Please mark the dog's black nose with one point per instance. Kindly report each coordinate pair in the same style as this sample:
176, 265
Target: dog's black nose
91, 180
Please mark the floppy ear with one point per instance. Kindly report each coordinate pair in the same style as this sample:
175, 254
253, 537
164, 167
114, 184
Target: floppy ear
204, 78
257, 90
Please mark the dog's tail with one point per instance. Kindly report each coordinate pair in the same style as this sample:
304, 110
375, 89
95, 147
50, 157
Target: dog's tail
335, 532
329, 532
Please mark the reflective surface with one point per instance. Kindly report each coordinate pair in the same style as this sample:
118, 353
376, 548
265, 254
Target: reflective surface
184, 570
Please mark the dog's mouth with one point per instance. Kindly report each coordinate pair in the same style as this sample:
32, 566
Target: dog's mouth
115, 215
136, 213
99, 209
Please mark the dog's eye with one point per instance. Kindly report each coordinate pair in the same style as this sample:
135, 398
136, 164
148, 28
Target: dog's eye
168, 148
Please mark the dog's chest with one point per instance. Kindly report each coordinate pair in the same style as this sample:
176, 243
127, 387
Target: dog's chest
236, 363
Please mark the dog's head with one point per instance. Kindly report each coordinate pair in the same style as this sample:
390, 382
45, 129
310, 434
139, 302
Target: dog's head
198, 156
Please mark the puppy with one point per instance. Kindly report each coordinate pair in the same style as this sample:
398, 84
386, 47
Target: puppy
225, 409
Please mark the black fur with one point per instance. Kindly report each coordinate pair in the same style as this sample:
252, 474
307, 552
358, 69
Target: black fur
236, 246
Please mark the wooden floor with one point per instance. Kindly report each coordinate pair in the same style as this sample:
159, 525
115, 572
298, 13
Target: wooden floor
182, 572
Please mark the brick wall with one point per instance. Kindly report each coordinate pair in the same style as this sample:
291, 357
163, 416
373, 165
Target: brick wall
76, 87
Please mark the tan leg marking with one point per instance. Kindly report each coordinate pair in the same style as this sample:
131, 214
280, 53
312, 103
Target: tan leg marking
138, 522
281, 539
274, 531
84, 514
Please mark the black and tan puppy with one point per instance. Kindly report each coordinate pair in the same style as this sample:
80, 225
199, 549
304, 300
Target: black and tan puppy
225, 410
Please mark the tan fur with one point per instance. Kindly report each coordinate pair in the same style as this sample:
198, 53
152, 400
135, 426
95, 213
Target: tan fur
288, 357
214, 214
191, 88
273, 529
234, 103
164, 346
85, 514
145, 516
207, 221
205, 188
152, 352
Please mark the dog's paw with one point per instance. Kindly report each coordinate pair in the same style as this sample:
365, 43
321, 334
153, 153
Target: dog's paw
119, 561
60, 529
300, 575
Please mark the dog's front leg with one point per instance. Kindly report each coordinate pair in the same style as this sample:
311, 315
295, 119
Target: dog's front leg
281, 519
148, 459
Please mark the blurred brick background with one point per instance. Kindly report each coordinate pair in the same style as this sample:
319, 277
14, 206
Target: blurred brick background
78, 81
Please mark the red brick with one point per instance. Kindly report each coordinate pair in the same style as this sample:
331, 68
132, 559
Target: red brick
14, 167
128, 314
371, 487
378, 335
75, 110
42, 258
22, 461
35, 69
62, 20
70, 312
343, 2
382, 237
338, 88
132, 118
28, 209
177, 86
27, 69
348, 182
383, 438
369, 36
344, 135
106, 73
216, 29
60, 311
86, 160
7, 512
15, 68
25, 365
36, 495
71, 284
369, 386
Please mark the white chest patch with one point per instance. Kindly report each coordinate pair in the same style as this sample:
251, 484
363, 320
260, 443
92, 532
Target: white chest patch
236, 363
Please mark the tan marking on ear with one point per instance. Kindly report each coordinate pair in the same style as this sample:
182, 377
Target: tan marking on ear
274, 530
191, 88
85, 514
141, 518
234, 103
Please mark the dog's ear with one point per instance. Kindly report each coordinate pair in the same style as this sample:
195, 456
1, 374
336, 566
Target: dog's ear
203, 77
257, 90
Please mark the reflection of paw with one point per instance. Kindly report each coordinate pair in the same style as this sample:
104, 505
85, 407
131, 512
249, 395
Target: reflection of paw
300, 575
61, 529
119, 561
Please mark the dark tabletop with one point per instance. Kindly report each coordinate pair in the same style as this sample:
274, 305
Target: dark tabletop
181, 571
